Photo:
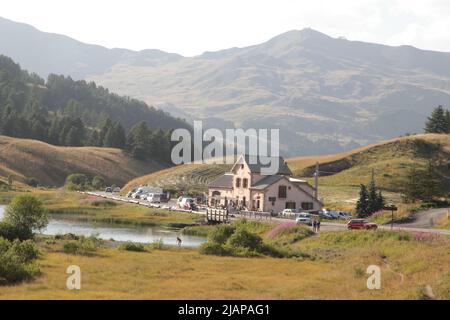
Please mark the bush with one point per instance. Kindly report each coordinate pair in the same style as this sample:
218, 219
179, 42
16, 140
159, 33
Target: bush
213, 248
76, 182
131, 246
221, 233
17, 261
82, 246
157, 245
24, 215
32, 182
242, 238
98, 182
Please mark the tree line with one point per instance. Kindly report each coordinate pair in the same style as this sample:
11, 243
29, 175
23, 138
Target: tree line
438, 121
64, 112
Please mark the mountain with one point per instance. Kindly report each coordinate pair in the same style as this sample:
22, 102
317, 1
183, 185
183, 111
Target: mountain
45, 53
50, 165
325, 94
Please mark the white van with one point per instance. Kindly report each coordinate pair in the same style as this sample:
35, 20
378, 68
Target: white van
184, 202
153, 197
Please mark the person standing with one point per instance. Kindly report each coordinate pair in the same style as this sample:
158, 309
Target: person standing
318, 226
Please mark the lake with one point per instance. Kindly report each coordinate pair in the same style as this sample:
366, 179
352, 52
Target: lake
142, 234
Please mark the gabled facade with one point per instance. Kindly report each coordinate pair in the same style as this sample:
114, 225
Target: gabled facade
245, 186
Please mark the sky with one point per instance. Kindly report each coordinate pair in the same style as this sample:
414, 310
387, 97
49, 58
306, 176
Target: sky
191, 27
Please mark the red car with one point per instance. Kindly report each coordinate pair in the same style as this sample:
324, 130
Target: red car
361, 224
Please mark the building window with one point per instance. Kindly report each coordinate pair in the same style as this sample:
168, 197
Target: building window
307, 205
238, 182
282, 192
272, 200
290, 205
245, 183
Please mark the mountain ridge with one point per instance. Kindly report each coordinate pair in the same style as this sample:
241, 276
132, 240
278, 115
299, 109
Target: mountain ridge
325, 94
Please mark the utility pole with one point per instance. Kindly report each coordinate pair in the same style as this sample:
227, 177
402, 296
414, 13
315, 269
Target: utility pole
316, 181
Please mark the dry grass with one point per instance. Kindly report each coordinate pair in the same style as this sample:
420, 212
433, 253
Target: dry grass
185, 274
190, 177
51, 164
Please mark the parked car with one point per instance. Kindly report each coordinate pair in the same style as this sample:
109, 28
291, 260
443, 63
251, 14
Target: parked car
304, 218
185, 203
361, 224
344, 215
288, 213
116, 190
130, 193
334, 214
108, 189
152, 197
325, 214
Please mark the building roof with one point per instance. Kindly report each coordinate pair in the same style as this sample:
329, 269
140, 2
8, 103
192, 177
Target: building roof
224, 181
266, 182
264, 162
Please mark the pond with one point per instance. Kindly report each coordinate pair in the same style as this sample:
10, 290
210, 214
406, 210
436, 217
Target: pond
142, 234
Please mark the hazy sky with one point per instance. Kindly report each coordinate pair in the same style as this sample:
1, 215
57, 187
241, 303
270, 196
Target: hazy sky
190, 27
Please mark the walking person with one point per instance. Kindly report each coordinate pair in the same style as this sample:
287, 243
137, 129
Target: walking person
314, 225
179, 241
318, 226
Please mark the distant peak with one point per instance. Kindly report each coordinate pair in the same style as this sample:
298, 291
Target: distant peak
299, 35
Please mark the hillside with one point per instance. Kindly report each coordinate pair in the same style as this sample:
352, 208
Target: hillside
50, 165
46, 53
341, 174
331, 94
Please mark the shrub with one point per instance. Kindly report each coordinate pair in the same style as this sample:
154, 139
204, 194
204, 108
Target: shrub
98, 182
24, 215
32, 182
82, 246
213, 248
131, 246
242, 238
76, 182
157, 245
239, 239
17, 261
221, 233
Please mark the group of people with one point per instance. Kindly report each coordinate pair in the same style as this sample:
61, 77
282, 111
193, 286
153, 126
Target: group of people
316, 225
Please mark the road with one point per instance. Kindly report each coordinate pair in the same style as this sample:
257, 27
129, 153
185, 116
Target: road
424, 220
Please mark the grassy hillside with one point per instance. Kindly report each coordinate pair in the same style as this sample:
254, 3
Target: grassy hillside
192, 177
51, 165
341, 173
390, 161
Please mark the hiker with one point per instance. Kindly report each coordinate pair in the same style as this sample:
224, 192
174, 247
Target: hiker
179, 241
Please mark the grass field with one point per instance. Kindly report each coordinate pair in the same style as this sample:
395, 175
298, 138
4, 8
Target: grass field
336, 270
75, 206
50, 165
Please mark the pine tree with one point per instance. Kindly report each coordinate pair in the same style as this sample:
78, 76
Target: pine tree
412, 186
429, 183
362, 204
437, 122
372, 197
139, 142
